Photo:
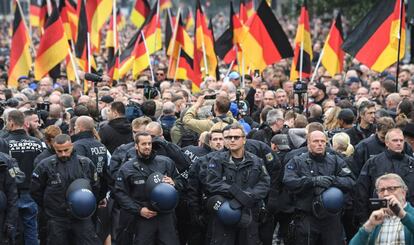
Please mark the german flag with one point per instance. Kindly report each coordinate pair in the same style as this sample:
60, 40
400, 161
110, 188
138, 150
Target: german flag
20, 59
69, 18
34, 11
374, 41
303, 37
140, 12
250, 8
170, 21
333, 55
81, 45
98, 12
113, 66
53, 46
189, 21
126, 59
109, 41
43, 13
182, 43
224, 46
185, 69
243, 12
164, 4
265, 43
203, 50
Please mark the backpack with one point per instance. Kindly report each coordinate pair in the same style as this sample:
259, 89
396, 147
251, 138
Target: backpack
188, 136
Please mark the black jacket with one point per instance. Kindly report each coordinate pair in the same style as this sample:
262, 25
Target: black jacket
226, 178
301, 169
368, 148
45, 154
24, 149
115, 133
86, 145
264, 134
195, 152
52, 177
356, 133
385, 162
131, 179
119, 157
9, 187
4, 146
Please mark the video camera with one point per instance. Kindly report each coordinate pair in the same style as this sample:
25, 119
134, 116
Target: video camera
150, 92
300, 87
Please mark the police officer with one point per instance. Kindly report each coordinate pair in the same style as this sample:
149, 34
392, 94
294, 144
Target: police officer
392, 160
130, 193
242, 178
374, 145
8, 199
307, 176
24, 149
196, 151
50, 181
86, 144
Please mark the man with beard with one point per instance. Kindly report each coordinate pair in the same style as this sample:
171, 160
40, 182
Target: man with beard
32, 124
24, 149
129, 192
50, 181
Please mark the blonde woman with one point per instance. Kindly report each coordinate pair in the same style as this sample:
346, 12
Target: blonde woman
341, 143
331, 121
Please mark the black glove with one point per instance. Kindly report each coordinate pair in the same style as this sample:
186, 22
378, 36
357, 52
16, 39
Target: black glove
10, 231
322, 181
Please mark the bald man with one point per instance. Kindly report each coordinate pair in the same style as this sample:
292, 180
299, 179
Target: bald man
86, 143
307, 181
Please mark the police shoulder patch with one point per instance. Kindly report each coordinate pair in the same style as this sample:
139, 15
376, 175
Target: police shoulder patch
269, 157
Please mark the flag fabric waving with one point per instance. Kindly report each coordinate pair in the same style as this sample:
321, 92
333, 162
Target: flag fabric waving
53, 46
333, 55
303, 47
20, 58
140, 12
374, 41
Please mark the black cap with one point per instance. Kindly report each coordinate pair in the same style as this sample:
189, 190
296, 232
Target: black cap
282, 141
107, 99
409, 130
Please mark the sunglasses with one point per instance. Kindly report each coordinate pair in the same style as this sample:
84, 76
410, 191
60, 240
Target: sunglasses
233, 137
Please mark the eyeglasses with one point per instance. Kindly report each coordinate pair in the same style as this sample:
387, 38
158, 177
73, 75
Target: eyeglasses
389, 189
233, 137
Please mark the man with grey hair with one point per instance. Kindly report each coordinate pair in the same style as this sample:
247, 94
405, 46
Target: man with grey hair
392, 224
167, 119
67, 103
274, 125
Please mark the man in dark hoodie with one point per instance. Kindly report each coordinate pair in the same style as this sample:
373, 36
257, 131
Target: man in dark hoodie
118, 130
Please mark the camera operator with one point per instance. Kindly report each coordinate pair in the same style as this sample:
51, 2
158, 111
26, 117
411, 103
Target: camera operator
317, 92
393, 224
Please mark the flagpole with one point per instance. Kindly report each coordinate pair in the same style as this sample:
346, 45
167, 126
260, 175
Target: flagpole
25, 25
229, 70
148, 56
178, 63
88, 39
399, 44
204, 51
72, 61
173, 41
317, 64
301, 58
156, 25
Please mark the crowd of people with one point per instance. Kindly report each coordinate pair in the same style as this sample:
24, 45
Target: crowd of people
252, 158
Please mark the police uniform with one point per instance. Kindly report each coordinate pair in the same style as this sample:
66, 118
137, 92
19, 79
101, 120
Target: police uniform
299, 178
385, 162
9, 215
50, 181
131, 196
85, 144
246, 182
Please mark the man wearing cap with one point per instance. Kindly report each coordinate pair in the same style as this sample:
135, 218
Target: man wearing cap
234, 77
130, 192
280, 145
317, 91
409, 134
104, 102
307, 176
50, 181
